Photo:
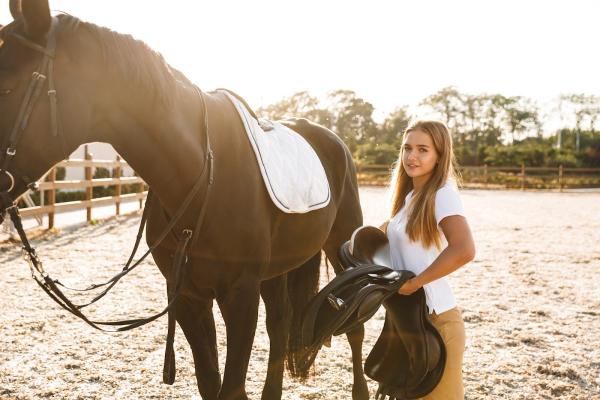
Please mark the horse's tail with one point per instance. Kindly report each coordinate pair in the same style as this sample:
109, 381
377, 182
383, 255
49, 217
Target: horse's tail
303, 285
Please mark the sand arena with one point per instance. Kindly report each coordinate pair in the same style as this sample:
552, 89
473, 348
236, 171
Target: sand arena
530, 299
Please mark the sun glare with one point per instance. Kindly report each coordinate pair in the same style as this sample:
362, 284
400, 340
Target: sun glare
390, 53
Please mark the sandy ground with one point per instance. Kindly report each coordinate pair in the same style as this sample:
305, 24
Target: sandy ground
530, 299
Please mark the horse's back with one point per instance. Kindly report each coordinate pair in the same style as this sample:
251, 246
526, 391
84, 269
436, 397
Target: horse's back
332, 152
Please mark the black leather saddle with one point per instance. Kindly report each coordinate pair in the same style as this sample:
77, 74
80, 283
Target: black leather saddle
409, 356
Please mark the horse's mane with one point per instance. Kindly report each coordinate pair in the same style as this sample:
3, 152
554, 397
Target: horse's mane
131, 60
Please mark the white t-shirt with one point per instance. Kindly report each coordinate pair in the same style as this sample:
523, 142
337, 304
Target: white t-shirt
412, 256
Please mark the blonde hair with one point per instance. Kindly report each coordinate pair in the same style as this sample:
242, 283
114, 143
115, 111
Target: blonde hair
421, 225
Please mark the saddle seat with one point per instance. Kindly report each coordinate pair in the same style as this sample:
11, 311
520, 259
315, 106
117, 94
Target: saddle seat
409, 356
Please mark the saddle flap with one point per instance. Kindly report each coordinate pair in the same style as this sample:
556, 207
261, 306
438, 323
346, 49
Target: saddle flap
409, 356
367, 301
350, 299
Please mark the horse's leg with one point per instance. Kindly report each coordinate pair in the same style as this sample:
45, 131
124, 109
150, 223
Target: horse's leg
360, 390
275, 297
195, 317
348, 219
239, 307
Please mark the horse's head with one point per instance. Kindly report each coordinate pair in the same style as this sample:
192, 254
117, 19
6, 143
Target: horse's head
33, 97
64, 82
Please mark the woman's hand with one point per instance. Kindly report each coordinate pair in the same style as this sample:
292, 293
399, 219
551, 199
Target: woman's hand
409, 287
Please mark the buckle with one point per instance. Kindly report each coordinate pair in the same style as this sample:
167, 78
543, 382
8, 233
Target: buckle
25, 255
11, 151
38, 77
187, 233
335, 302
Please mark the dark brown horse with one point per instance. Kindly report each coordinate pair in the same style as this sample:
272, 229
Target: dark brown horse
112, 88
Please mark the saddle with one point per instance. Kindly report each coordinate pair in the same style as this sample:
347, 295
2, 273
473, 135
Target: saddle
409, 356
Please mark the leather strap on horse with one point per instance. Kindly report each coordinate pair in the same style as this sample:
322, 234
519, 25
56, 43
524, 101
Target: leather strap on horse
33, 92
169, 362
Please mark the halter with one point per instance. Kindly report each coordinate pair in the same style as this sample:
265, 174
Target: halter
7, 202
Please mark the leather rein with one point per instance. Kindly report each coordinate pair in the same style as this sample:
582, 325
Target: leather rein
8, 204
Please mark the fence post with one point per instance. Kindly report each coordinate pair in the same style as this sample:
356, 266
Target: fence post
88, 178
51, 198
117, 175
522, 176
485, 175
560, 178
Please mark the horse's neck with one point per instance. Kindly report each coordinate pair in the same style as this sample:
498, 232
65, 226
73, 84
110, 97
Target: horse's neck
164, 145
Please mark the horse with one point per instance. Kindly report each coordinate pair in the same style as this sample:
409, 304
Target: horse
109, 87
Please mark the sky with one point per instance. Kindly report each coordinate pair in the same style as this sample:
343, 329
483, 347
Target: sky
391, 53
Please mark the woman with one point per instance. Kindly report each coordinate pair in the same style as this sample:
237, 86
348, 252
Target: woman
429, 235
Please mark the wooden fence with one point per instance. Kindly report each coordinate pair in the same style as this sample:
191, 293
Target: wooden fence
485, 176
48, 187
475, 176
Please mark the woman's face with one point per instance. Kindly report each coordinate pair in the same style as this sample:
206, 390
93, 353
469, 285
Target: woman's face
419, 157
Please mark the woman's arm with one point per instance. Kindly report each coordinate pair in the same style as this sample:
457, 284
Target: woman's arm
460, 250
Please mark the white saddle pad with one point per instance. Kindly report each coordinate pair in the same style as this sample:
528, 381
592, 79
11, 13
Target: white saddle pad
291, 170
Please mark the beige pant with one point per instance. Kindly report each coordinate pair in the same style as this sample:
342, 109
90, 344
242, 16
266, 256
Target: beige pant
451, 327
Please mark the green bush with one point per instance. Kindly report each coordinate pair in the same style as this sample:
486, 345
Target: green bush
376, 153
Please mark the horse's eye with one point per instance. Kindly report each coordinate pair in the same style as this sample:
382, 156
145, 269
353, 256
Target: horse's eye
4, 92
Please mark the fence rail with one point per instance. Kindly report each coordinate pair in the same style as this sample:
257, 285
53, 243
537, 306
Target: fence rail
481, 176
507, 177
48, 187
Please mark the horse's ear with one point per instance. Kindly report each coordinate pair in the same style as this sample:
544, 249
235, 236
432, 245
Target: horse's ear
15, 8
36, 14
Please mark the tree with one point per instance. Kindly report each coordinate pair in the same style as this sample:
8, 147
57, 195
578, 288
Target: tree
352, 118
452, 108
475, 124
521, 117
586, 111
447, 102
300, 104
393, 126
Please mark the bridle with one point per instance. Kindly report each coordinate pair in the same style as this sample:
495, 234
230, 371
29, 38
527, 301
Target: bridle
45, 72
187, 237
